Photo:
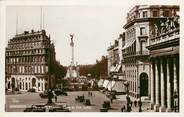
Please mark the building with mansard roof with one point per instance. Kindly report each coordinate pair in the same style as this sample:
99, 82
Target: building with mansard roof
28, 61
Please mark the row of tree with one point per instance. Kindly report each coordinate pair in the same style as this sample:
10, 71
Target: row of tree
97, 70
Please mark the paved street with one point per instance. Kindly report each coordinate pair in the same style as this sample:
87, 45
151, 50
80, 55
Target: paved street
27, 99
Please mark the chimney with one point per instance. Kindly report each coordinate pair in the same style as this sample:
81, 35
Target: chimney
26, 32
32, 31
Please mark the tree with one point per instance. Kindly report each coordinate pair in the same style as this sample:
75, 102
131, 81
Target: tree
59, 70
96, 70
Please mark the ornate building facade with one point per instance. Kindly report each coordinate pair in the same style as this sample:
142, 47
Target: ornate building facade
28, 61
164, 57
130, 52
140, 22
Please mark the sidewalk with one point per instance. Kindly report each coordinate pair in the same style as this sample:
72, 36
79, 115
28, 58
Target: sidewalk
145, 103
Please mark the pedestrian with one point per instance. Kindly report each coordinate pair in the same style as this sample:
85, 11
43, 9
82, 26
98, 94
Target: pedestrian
55, 98
129, 109
135, 103
89, 93
139, 103
111, 100
123, 108
131, 103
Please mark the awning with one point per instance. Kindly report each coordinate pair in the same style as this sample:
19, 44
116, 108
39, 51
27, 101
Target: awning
105, 83
119, 86
117, 68
128, 43
100, 82
112, 69
111, 85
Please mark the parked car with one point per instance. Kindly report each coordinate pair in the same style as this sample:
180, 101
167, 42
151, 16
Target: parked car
44, 94
60, 92
32, 90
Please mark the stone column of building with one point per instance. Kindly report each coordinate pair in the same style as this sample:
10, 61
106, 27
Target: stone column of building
176, 79
168, 86
157, 83
163, 72
152, 84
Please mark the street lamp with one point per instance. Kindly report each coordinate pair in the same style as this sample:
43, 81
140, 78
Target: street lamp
140, 102
126, 83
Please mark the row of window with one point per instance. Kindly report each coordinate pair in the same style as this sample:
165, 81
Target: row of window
25, 45
130, 33
26, 39
32, 69
27, 59
26, 52
154, 13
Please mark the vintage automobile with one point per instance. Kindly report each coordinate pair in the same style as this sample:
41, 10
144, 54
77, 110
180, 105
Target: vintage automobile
44, 94
60, 92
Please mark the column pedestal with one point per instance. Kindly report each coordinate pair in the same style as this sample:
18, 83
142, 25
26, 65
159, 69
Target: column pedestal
152, 106
162, 109
168, 110
156, 107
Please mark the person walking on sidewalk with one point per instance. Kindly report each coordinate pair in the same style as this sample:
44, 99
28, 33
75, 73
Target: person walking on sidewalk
135, 103
131, 103
89, 93
123, 108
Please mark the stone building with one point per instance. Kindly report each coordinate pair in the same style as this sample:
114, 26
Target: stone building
115, 58
28, 61
164, 58
140, 22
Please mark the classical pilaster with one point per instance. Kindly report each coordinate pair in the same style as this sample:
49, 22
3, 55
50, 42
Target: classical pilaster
168, 86
152, 84
162, 77
157, 85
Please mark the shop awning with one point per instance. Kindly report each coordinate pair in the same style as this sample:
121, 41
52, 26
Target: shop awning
112, 69
117, 68
128, 43
105, 83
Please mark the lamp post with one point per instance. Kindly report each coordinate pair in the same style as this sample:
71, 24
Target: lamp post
140, 102
126, 83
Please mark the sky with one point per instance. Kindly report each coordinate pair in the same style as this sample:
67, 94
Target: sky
94, 27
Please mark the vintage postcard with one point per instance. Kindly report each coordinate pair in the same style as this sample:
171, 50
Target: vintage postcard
91, 56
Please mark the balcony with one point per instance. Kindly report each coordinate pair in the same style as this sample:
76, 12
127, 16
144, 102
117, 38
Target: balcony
129, 54
142, 55
138, 55
167, 39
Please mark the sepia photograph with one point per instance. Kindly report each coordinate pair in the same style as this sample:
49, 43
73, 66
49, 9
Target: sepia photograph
100, 57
